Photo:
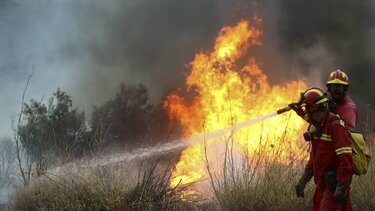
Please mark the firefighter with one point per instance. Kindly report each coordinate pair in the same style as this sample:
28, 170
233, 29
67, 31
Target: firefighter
342, 104
330, 161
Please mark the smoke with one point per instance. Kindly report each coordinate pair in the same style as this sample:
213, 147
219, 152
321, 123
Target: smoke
88, 47
141, 41
309, 39
344, 28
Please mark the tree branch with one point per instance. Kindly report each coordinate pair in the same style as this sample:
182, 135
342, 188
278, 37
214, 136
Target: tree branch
16, 135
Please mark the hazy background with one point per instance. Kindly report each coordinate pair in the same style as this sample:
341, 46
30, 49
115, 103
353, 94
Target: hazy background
88, 47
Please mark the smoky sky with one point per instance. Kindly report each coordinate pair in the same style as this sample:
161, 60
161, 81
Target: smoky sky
347, 29
89, 47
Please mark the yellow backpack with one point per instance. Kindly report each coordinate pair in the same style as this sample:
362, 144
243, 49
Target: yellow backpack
361, 159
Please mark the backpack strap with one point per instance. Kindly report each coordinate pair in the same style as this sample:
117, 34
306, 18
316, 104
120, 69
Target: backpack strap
336, 117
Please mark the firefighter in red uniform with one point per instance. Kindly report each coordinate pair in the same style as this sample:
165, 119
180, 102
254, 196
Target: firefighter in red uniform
330, 161
343, 105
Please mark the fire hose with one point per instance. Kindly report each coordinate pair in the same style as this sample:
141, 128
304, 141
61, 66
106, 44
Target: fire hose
280, 111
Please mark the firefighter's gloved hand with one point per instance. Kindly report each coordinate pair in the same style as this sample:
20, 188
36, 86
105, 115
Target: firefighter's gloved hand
297, 108
339, 193
300, 187
300, 190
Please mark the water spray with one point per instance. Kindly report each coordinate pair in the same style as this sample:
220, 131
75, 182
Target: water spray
241, 125
148, 152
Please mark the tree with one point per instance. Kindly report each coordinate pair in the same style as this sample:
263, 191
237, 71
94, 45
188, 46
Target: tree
34, 133
53, 129
125, 118
68, 128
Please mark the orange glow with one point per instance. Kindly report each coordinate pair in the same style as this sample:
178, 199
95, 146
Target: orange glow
227, 94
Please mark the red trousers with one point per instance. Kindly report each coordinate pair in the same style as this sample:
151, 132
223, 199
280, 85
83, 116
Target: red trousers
324, 200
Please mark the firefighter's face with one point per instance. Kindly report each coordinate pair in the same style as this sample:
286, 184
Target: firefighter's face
315, 115
337, 91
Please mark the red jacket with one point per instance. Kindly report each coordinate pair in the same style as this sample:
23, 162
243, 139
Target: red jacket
331, 151
347, 110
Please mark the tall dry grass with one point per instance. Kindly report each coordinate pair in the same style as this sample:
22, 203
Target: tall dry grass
272, 189
102, 190
363, 188
258, 181
77, 192
261, 184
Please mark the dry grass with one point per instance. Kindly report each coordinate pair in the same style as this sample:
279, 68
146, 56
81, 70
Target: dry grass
273, 189
363, 189
270, 186
258, 183
102, 191
79, 192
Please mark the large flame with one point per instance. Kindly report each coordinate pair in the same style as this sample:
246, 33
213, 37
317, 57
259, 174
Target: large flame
227, 94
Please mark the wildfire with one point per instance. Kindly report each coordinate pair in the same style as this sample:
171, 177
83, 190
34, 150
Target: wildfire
227, 94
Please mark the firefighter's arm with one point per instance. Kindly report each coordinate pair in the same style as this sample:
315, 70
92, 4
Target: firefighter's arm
343, 149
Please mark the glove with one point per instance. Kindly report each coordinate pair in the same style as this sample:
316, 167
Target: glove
339, 193
300, 190
300, 187
297, 108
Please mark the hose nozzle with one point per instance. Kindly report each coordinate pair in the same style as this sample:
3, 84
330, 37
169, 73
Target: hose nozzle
280, 111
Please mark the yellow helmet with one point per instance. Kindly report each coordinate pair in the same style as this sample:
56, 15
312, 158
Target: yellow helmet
338, 77
313, 97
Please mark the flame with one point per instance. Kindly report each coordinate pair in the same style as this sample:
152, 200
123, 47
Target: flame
227, 94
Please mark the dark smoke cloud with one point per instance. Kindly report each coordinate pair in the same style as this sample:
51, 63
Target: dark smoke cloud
343, 32
143, 41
